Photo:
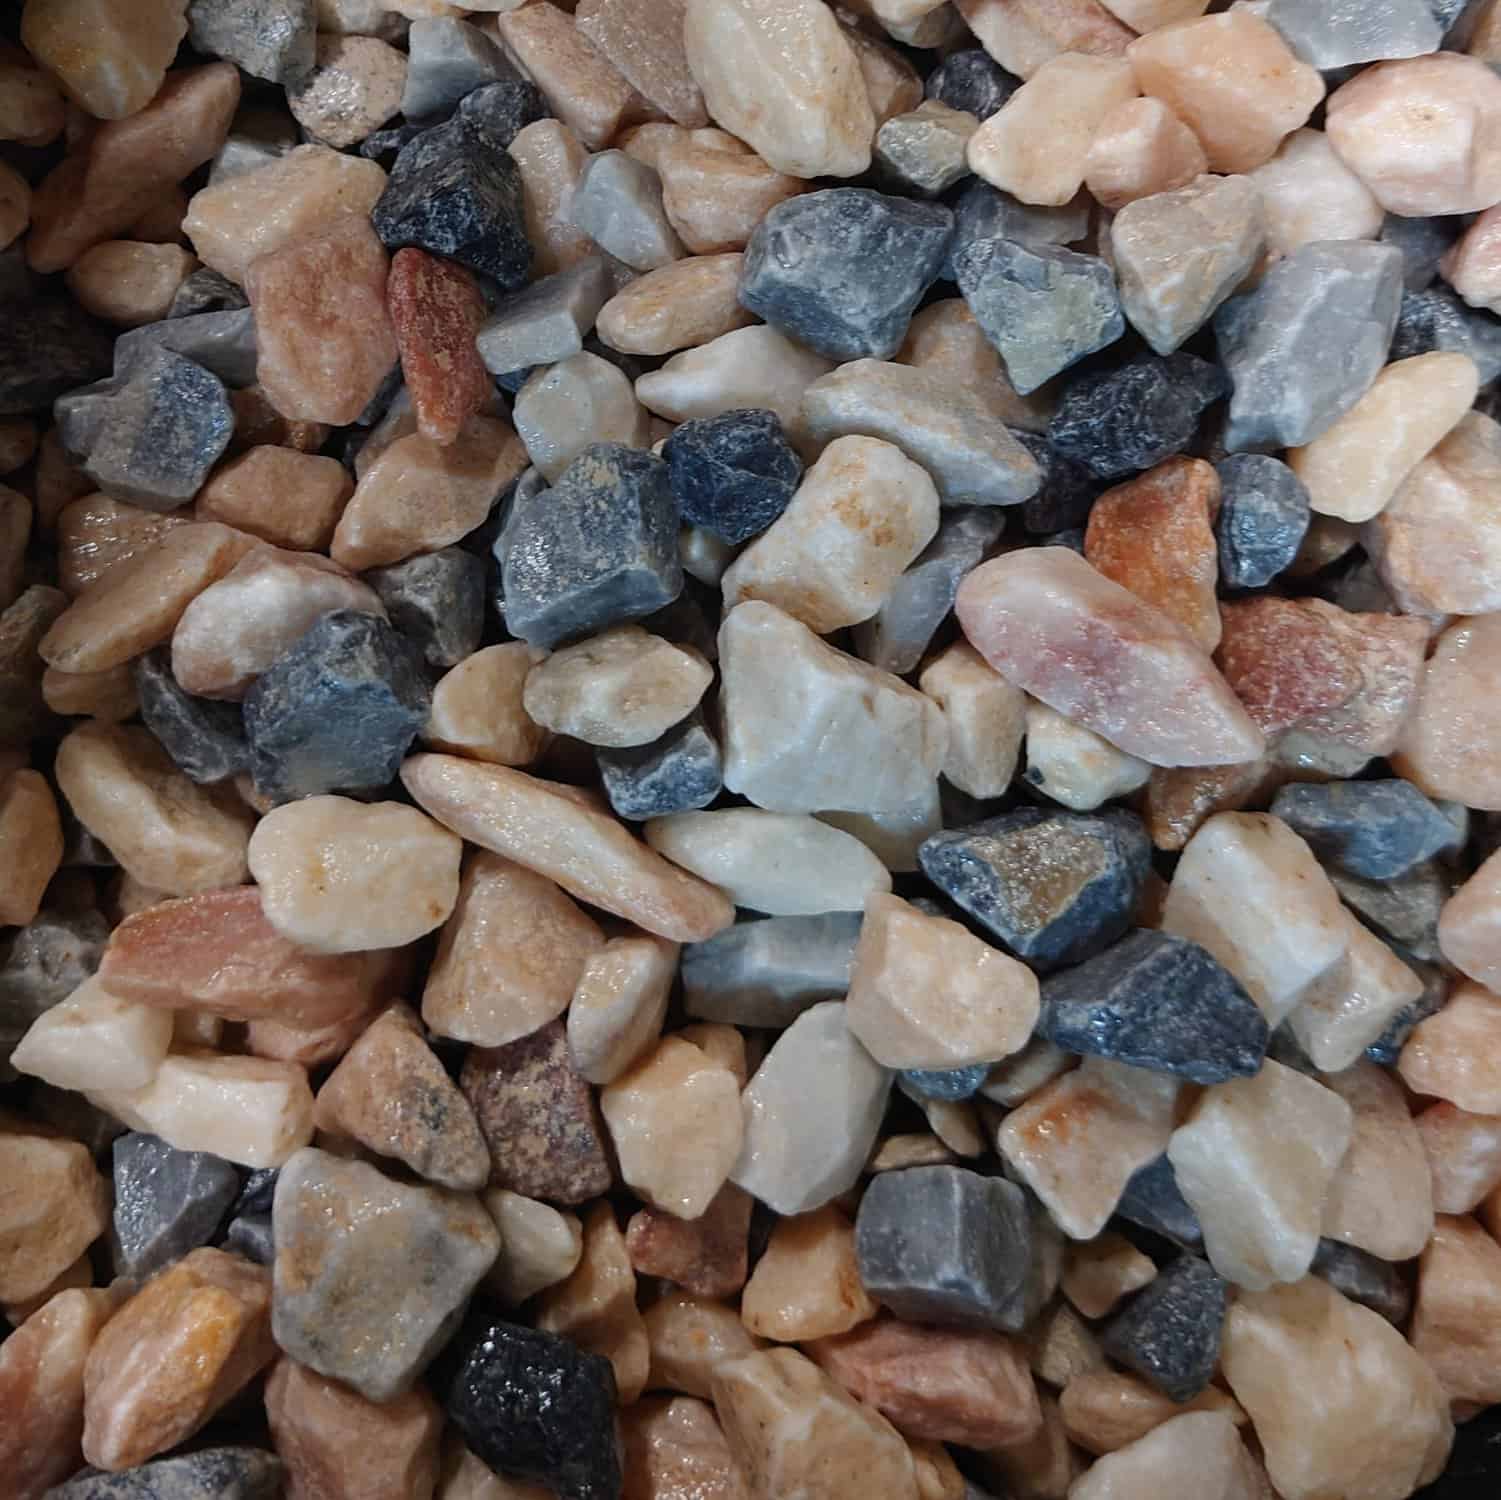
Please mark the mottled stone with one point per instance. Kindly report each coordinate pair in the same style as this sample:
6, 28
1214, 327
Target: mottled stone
972, 81
209, 1474
681, 771
1264, 514
167, 1202
355, 86
436, 310
270, 39
923, 151
706, 1255
56, 1205
690, 1338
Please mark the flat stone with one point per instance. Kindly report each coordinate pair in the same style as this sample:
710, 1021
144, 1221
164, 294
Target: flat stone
681, 305
1170, 1333
1140, 149
1264, 515
1373, 829
167, 1203
680, 771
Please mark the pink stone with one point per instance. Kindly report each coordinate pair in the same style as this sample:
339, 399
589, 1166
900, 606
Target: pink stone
643, 40
706, 1255
1473, 266
1456, 1320
1469, 927
1456, 1054
1140, 149
1464, 1155
1022, 35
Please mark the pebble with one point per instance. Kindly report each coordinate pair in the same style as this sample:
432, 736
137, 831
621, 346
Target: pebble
643, 39
436, 310
619, 1004
539, 1246
1104, 1410
271, 39
1470, 265
356, 85
733, 473
1139, 149
715, 190
678, 306
1307, 193
690, 1339
806, 1284
1469, 926
501, 111
1264, 515
58, 1205
167, 1203
550, 158
674, 1445
477, 708
1409, 28
547, 321
446, 61
798, 264
1073, 765
1377, 830
47, 960
94, 1039
1022, 39
436, 600
971, 81
681, 771
986, 718
1098, 1273
617, 202
31, 844
126, 282
923, 151
1459, 1282
287, 498
1448, 1054
705, 1256
1170, 1333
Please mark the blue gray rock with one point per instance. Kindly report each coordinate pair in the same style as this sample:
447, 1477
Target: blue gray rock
944, 1083
436, 600
597, 549
971, 80
72, 1114
205, 738
946, 1245
1438, 319
270, 39
1363, 1278
842, 270
1423, 243
447, 60
258, 1192
337, 711
451, 192
45, 962
253, 1236
48, 345
546, 321
1154, 1201
1121, 421
923, 155
1264, 515
1170, 1331
209, 1474
380, 144
534, 1406
167, 1202
1068, 492
681, 771
767, 973
1305, 345
733, 474
1377, 830
1055, 887
1157, 1001
1335, 36
617, 202
206, 291
223, 342
1043, 307
983, 212
498, 111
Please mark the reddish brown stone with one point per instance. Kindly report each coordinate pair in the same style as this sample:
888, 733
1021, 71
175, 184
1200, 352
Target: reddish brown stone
706, 1255
437, 309
1180, 799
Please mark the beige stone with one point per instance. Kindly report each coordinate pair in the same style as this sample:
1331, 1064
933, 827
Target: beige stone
892, 85
589, 854
986, 717
1456, 1322
1104, 1409
1036, 146
539, 1245
478, 711
1464, 1156
1469, 927
127, 282
32, 110
1141, 148
95, 533
1233, 80
1061, 1346
643, 41
309, 1046
678, 306
94, 1040
551, 159
1022, 35
164, 829
807, 1283
676, 1450
619, 1005
1473, 265
896, 836
31, 844
565, 407
1456, 1054
1308, 193
465, 1477
1098, 1273
1075, 766
53, 1206
715, 193
1204, 1444
109, 696
287, 498
691, 1337
354, 88
108, 60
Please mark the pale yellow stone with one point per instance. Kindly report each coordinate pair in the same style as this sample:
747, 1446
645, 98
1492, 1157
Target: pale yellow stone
690, 1337
478, 711
95, 1040
1098, 1273
31, 844
806, 1284
539, 1245
894, 836
551, 159
128, 282
678, 306
1023, 35
1141, 148
1308, 193
109, 58
1469, 927
1104, 1409
1074, 765
1204, 1444
619, 1005
355, 87
1456, 1054
564, 408
715, 192
1036, 145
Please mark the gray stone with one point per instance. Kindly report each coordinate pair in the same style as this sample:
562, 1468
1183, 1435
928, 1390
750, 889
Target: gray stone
768, 973
617, 202
205, 738
842, 270
371, 1275
48, 345
209, 1474
1264, 515
897, 637
946, 1245
984, 212
437, 600
206, 291
546, 321
72, 1114
447, 59
734, 473
45, 963
1337, 33
1423, 243
241, 154
1068, 493
971, 80
1154, 1201
923, 152
1055, 887
1305, 345
222, 342
498, 111
271, 39
254, 1237
943, 1083
167, 1202
1363, 1278
258, 1192
1437, 319
1160, 1002
1043, 307
338, 711
1376, 830
681, 771
23, 711
1170, 1332
1405, 909
597, 549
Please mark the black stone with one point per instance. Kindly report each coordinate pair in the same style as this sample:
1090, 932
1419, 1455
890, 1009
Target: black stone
597, 549
1154, 1201
1157, 1001
48, 345
224, 343
1438, 319
1067, 494
1377, 830
437, 600
946, 1245
338, 711
945, 1083
1119, 422
209, 1474
534, 1406
1363, 1278
252, 1236
205, 738
206, 291
452, 193
380, 144
679, 772
499, 111
842, 270
1264, 515
1423, 243
47, 960
1170, 1332
1055, 887
732, 474
167, 1202
971, 81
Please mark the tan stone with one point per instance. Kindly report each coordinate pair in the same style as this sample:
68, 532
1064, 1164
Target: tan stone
714, 193
465, 1477
588, 853
1456, 1054
1308, 193
892, 85
643, 41
551, 159
1148, 15
1036, 146
1022, 35
1469, 927
477, 708
1464, 1156
691, 1337
96, 533
189, 1341
706, 1256
1139, 149
1075, 766
127, 282
1204, 1444
31, 845
1099, 1272
287, 498
806, 1284
1473, 265
1233, 81
1061, 1346
1104, 1410
619, 1005
108, 60
986, 717
724, 1043
677, 306
539, 1245
676, 1450
354, 88
1456, 1323
109, 696
93, 1040
894, 836
32, 110
310, 1046
1043, 1467
563, 408
53, 1206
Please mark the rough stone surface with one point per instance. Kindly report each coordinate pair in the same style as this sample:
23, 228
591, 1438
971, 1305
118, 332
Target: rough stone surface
1365, 1279
706, 1256
209, 1474
271, 39
167, 1203
447, 60
436, 310
1459, 1281
1170, 1333
93, 1039
1377, 830
56, 1206
436, 600
681, 771
1264, 515
923, 151
477, 708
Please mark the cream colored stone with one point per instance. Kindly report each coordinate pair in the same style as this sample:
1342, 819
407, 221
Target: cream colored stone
1308, 193
32, 111
894, 837
478, 711
1036, 146
93, 1040
53, 1206
986, 718
355, 87
619, 1005
691, 1337
1098, 1273
1469, 927
678, 306
1464, 1156
1075, 766
127, 282
1456, 1054
1473, 266
287, 498
1204, 1444
551, 159
1022, 35
109, 696
1139, 149
807, 1283
109, 59
715, 191
31, 844
1061, 1346
1104, 1410
565, 407
539, 1245
1456, 1321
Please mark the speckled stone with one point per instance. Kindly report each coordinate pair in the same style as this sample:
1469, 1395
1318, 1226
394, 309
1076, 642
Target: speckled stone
1376, 830
944, 1083
271, 39
681, 771
167, 1202
1170, 1331
448, 59
1264, 516
1435, 319
732, 474
205, 738
436, 600
500, 111
209, 1474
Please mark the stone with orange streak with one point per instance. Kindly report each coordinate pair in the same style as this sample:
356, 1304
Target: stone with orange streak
1456, 1321
109, 61
706, 1255
806, 1284
1106, 1409
1022, 35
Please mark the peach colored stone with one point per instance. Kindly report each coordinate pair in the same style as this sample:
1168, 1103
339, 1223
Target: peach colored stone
1098, 1273
678, 306
715, 194
1036, 145
31, 845
619, 1005
539, 1245
93, 1040
540, 826
1233, 81
643, 41
32, 110
565, 407
325, 341
676, 1450
724, 1043
1061, 1345
1473, 266
310, 1046
1308, 193
284, 497
691, 1337
1141, 148
1422, 133
1022, 35
1204, 1444
705, 1256
1469, 927
1104, 1410
1456, 1054
986, 717
109, 695
477, 708
98, 190
806, 1284
127, 282
1148, 15
53, 1206
1053, 625
1456, 1322
551, 159
189, 1341
109, 61
1464, 1155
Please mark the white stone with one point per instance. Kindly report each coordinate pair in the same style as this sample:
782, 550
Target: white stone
581, 400
894, 837
620, 1004
1205, 1444
1073, 765
95, 1040
986, 716
1308, 193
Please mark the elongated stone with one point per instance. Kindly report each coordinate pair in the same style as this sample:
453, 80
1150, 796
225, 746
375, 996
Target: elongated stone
1373, 829
767, 973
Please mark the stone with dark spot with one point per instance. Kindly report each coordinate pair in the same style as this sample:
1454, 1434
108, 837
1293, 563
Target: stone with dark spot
205, 738
1055, 887
209, 1474
1264, 515
1376, 830
338, 711
167, 1202
47, 960
448, 59
437, 600
733, 474
945, 1083
1154, 1201
1437, 319
681, 771
1170, 1332
48, 345
842, 270
223, 342
1363, 1278
1387, 1048
1157, 1001
270, 39
971, 80
499, 111
206, 291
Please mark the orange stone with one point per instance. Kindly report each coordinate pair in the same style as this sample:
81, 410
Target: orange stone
1456, 1321
1456, 1054
31, 845
807, 1284
1181, 799
1464, 1155
287, 498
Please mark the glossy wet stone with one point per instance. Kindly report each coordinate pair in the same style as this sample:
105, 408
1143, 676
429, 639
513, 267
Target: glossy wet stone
680, 771
209, 1474
1376, 830
1170, 1332
732, 474
205, 739
437, 601
1264, 515
167, 1202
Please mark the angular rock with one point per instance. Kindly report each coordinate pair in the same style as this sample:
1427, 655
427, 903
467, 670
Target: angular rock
806, 1284
437, 601
57, 1205
674, 1445
1363, 1278
1098, 1273
355, 86
681, 771
1377, 830
972, 81
287, 498
447, 60
923, 151
706, 1256
1308, 194
1141, 148
1075, 766
581, 402
436, 309
1264, 515
548, 320
271, 39
983, 213
167, 1203
1170, 1333
690, 1338
93, 1039
1202, 1442
1469, 928
1453, 1327
1449, 1054
1409, 28
644, 41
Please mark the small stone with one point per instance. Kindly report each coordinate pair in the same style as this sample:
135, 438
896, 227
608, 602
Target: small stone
1464, 1155
1098, 1273
923, 152
288, 498
550, 160
675, 1447
31, 844
94, 1039
619, 1004
355, 86
1264, 514
617, 202
798, 262
1104, 1410
681, 771
568, 410
1073, 765
1023, 38
56, 1206
1170, 1333
681, 305
436, 600
500, 111
643, 39
971, 81
47, 960
1204, 1443
447, 60
706, 1256
1374, 829
126, 282
1140, 149
167, 1203
733, 473
118, 75
539, 1246
1470, 264
477, 709
1408, 28
1307, 193
436, 310
547, 321
34, 113
807, 1284
271, 39
209, 1474
690, 1338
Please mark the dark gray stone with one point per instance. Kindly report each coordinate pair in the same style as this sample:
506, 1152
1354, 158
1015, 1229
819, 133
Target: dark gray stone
437, 600
1067, 494
1363, 1278
72, 1114
767, 973
1153, 1200
498, 111
446, 60
1043, 307
918, 154
1170, 1332
338, 711
1377, 830
209, 1474
944, 1083
971, 80
597, 549
945, 1245
732, 474
206, 291
1438, 319
47, 960
1335, 36
271, 39
167, 1202
1423, 243
1264, 515
1055, 887
48, 345
223, 343
1405, 909
252, 1236
842, 270
205, 738
1160, 1002
984, 213
23, 711
1305, 345
452, 193
388, 142
681, 771
259, 1191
